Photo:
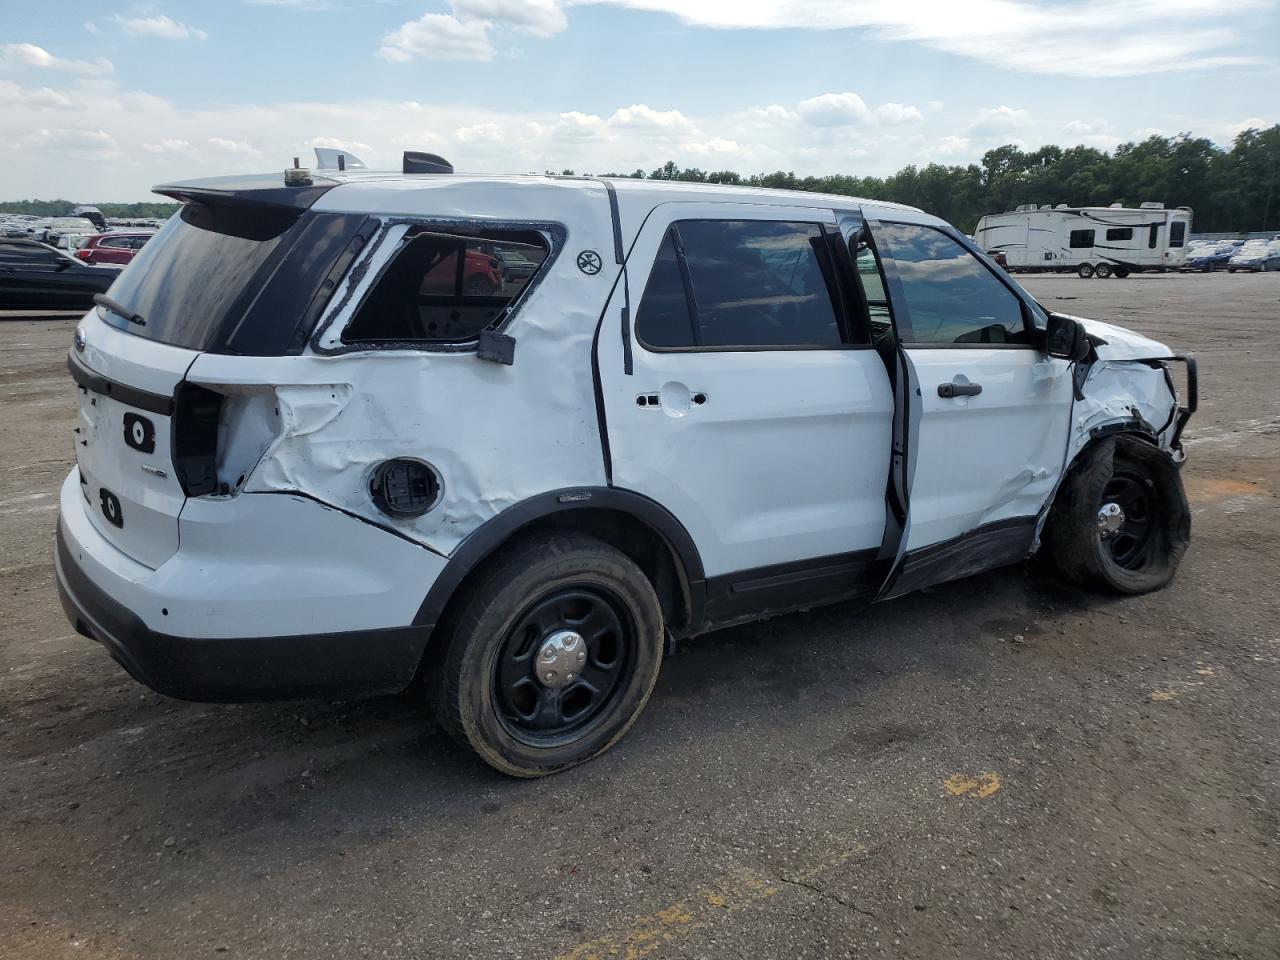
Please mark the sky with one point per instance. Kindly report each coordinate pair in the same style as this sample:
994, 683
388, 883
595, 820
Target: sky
100, 101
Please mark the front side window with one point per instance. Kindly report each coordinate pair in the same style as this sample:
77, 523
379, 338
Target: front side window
445, 288
29, 256
1081, 239
744, 283
1177, 233
951, 297
1120, 233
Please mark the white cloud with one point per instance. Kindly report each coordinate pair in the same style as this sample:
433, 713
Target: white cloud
834, 109
539, 17
1086, 127
897, 114
91, 26
638, 116
160, 26
168, 147
29, 55
999, 120
479, 133
235, 147
437, 36
575, 126
11, 94
716, 145
1125, 39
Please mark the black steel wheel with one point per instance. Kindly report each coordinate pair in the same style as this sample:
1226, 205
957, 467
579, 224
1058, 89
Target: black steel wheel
562, 664
548, 656
1128, 534
1121, 522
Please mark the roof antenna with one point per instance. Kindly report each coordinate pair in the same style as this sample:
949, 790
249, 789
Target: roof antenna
297, 175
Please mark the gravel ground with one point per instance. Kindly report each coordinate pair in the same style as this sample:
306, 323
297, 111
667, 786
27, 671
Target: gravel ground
1001, 766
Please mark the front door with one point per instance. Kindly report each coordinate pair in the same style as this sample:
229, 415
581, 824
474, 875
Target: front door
988, 412
743, 401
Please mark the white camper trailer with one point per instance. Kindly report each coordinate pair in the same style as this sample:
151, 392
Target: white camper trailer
1093, 241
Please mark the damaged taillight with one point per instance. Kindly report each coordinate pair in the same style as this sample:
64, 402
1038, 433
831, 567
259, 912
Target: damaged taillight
195, 439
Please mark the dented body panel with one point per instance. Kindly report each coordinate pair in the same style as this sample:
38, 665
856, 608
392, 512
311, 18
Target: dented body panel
765, 476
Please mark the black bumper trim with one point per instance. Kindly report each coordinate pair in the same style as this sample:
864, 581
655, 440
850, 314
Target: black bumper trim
239, 669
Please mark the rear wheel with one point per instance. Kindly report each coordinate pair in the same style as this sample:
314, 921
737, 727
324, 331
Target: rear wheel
1121, 522
1122, 272
552, 656
1085, 271
1102, 271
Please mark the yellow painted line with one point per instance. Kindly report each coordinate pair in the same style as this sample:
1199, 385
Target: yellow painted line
963, 785
736, 890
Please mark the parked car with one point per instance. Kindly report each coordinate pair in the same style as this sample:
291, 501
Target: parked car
1208, 258
309, 478
54, 228
1256, 256
480, 275
92, 214
515, 264
35, 276
119, 248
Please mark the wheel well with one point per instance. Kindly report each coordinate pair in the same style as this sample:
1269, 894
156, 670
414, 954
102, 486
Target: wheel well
640, 541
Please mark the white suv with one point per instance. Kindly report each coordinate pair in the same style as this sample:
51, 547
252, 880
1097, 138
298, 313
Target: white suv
316, 455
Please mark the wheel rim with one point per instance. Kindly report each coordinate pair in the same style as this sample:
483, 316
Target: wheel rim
1128, 537
539, 697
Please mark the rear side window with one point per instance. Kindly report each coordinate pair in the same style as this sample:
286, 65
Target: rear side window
1177, 233
1120, 233
446, 288
1154, 237
1081, 239
740, 283
951, 297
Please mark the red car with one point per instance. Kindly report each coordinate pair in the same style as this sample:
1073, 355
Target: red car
482, 276
112, 247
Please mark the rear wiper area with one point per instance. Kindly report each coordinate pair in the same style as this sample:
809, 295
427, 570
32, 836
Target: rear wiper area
119, 309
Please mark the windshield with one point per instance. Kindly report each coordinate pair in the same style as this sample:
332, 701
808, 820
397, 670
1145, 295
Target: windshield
222, 279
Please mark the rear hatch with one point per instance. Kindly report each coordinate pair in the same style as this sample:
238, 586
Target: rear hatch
238, 270
125, 386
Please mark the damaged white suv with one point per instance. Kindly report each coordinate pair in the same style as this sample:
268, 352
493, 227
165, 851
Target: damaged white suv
329, 445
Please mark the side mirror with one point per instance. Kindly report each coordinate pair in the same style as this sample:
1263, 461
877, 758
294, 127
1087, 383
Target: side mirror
1065, 339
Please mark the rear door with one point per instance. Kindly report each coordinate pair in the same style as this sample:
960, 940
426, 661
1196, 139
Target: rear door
988, 412
741, 401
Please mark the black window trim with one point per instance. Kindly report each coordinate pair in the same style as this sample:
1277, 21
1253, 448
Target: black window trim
901, 313
340, 308
838, 303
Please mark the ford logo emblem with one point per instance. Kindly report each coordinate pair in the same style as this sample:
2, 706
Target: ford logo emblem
78, 340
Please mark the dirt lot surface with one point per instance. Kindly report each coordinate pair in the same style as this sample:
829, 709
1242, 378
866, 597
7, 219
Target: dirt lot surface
997, 767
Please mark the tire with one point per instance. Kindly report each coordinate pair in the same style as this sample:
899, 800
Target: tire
1142, 553
1231, 269
1122, 272
1084, 271
1102, 271
483, 687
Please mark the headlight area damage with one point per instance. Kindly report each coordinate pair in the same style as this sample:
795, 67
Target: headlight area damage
1119, 520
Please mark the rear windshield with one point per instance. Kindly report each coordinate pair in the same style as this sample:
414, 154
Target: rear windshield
234, 280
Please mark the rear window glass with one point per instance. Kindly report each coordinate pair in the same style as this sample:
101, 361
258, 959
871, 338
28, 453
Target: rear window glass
445, 288
235, 280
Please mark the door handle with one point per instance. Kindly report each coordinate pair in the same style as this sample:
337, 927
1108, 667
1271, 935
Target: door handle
949, 390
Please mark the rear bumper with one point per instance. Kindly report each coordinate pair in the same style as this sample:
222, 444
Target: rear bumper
105, 596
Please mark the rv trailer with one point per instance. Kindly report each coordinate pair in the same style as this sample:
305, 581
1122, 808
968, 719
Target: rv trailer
1092, 241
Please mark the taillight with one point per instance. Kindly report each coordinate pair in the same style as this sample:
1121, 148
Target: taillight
195, 439
84, 254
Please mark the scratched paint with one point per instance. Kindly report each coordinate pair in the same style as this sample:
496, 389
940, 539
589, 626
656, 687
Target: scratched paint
979, 787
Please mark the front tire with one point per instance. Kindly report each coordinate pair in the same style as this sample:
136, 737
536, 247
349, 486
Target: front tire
553, 654
1121, 522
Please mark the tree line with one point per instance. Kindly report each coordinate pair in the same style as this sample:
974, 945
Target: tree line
1229, 190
